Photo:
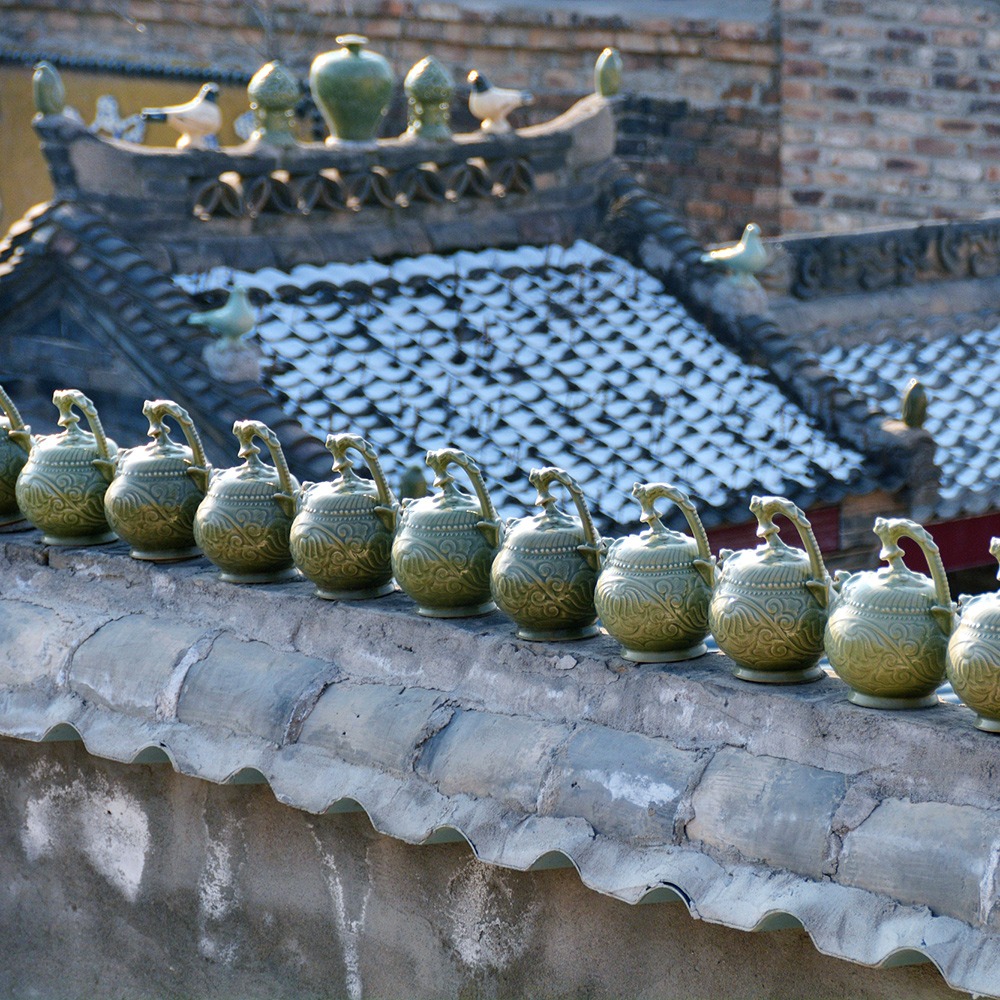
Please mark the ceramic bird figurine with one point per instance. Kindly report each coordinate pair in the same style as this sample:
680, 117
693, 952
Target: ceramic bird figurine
233, 321
742, 260
491, 105
198, 121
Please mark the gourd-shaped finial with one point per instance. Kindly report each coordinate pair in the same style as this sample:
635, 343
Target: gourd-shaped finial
429, 91
413, 483
914, 404
48, 90
273, 93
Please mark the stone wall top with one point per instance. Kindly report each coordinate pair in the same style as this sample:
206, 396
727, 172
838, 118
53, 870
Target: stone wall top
756, 805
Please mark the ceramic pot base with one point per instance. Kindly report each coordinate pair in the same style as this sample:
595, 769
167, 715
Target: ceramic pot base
173, 555
365, 594
275, 576
80, 541
471, 611
806, 676
558, 634
892, 704
987, 725
670, 656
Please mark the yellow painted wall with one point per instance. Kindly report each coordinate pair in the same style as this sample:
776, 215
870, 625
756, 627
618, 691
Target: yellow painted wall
24, 177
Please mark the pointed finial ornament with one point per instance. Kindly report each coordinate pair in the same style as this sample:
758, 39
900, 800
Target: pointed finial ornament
914, 404
429, 91
48, 90
608, 73
413, 483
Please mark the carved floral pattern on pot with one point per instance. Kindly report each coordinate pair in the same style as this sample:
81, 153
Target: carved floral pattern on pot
769, 604
654, 588
341, 538
62, 485
545, 573
244, 522
973, 663
445, 543
888, 631
152, 501
15, 439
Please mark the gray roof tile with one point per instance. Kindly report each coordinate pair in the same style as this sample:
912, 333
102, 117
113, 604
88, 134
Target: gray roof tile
568, 356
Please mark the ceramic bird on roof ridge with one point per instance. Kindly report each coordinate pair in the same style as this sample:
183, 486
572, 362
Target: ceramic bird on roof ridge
233, 320
743, 259
198, 121
491, 105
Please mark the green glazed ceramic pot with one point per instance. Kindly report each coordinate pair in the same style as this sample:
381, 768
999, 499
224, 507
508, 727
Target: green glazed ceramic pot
973, 662
243, 524
445, 543
352, 88
654, 588
342, 534
62, 485
15, 440
546, 570
152, 500
769, 604
887, 636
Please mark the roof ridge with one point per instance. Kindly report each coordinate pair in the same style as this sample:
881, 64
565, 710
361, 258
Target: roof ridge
799, 373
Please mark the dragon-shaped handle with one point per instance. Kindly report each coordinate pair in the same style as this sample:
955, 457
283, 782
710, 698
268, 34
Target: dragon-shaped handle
765, 509
440, 461
890, 530
19, 432
648, 493
156, 411
65, 400
542, 480
338, 445
246, 431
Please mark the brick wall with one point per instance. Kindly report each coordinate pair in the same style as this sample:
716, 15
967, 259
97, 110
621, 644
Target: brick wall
701, 130
890, 112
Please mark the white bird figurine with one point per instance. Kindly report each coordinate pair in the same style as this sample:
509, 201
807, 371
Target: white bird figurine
233, 320
742, 260
197, 121
491, 105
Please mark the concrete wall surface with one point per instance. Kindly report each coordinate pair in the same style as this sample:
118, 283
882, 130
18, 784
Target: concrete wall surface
131, 881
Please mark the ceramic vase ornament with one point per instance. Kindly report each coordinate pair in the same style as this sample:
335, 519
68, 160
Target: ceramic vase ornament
654, 588
342, 535
153, 498
445, 543
15, 440
769, 604
973, 662
546, 570
243, 524
352, 88
887, 636
62, 485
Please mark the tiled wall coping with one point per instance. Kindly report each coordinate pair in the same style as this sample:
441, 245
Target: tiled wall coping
758, 806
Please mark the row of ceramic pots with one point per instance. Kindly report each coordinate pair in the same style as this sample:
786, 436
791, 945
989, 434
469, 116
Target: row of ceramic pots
774, 610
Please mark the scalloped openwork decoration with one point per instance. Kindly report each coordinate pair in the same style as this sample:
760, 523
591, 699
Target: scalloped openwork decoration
231, 195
